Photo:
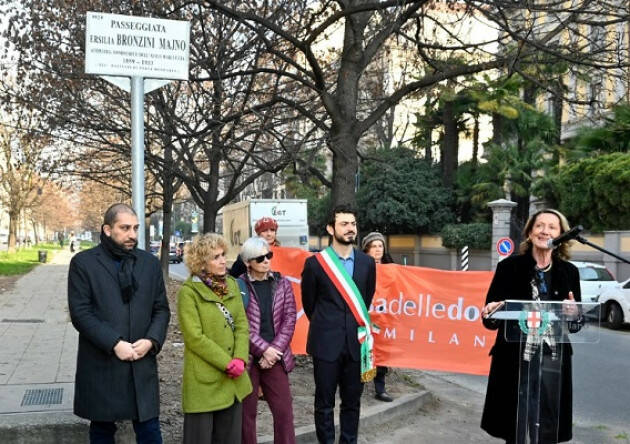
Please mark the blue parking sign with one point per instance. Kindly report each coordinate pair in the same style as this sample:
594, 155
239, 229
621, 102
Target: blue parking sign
505, 246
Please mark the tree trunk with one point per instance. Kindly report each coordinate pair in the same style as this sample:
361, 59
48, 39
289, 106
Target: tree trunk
497, 128
529, 94
211, 205
428, 149
13, 228
167, 224
210, 211
344, 170
557, 106
451, 145
475, 153
520, 214
518, 218
167, 208
35, 232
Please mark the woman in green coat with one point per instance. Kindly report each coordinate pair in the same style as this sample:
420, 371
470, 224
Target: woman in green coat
216, 345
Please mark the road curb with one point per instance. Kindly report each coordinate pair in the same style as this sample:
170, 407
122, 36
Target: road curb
52, 427
370, 416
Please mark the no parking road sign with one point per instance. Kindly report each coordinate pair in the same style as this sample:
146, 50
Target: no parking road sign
505, 246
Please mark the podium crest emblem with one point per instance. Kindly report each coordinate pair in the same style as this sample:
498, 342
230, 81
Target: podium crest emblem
535, 322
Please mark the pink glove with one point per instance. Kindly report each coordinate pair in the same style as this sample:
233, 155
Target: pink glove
235, 368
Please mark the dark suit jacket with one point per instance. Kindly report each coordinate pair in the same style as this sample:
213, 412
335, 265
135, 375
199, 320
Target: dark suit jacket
331, 322
106, 388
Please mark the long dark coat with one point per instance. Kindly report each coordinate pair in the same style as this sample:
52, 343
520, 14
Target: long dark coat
512, 280
106, 388
331, 322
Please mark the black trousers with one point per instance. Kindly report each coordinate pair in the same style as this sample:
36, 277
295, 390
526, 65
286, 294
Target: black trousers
218, 427
345, 373
379, 379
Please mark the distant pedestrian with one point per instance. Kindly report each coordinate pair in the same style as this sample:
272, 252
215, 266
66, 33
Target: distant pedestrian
72, 241
118, 304
216, 345
374, 245
337, 287
265, 227
271, 313
60, 238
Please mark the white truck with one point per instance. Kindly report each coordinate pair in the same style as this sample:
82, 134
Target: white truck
239, 220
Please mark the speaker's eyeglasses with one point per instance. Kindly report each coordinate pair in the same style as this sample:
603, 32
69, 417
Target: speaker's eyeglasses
259, 259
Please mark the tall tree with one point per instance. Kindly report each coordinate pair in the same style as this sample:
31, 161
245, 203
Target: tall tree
336, 42
22, 152
215, 134
402, 193
513, 167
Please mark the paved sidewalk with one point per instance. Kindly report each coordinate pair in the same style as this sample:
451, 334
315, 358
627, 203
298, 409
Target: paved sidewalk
39, 346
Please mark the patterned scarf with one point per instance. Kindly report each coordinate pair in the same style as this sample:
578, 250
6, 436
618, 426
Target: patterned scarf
218, 284
533, 342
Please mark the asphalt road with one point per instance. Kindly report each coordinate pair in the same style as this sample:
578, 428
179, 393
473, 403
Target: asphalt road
178, 271
601, 381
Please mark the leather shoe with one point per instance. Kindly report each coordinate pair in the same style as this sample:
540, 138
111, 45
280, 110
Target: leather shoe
384, 397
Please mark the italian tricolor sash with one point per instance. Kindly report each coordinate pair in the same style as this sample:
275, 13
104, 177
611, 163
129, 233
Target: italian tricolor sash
343, 282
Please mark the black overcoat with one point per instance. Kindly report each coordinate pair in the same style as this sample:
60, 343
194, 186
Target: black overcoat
331, 321
106, 388
512, 280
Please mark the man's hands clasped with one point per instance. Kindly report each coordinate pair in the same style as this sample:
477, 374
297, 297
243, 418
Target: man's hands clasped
126, 351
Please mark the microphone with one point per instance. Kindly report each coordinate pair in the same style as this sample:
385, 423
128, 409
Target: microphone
567, 236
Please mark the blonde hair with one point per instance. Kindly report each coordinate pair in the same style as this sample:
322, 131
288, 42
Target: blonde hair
197, 253
562, 251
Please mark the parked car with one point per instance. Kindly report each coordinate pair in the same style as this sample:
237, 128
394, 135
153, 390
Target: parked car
154, 248
594, 279
616, 304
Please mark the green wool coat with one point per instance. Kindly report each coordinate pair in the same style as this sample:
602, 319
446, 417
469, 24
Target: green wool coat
210, 344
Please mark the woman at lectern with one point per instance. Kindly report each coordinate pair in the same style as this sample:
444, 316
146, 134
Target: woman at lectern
513, 410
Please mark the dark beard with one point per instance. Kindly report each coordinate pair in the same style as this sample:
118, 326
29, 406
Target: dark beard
342, 241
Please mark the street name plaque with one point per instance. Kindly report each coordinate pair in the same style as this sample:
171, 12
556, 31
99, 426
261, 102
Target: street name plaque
132, 46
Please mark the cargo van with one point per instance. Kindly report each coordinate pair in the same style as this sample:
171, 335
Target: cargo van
239, 220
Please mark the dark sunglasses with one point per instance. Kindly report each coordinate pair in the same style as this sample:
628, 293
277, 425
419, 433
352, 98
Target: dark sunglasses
259, 259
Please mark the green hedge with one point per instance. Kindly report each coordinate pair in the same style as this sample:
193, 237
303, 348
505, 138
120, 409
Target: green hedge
477, 236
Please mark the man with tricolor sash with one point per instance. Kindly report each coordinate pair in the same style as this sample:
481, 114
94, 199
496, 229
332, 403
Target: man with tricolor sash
337, 288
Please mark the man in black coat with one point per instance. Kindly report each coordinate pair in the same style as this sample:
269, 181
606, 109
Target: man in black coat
118, 304
332, 335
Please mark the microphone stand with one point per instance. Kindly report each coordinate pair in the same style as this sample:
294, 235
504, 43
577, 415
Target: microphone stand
597, 247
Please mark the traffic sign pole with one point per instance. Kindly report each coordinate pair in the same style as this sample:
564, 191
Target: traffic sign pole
137, 154
122, 47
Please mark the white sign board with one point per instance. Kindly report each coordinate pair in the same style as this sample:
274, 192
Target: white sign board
289, 213
130, 46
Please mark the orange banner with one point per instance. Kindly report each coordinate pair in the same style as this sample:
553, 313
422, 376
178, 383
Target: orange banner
429, 318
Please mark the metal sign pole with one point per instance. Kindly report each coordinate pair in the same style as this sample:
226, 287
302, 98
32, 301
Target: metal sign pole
137, 154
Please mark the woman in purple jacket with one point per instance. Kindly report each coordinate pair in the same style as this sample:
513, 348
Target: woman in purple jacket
271, 315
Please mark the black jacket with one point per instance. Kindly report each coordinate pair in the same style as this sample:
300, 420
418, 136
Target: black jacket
512, 280
331, 321
106, 388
